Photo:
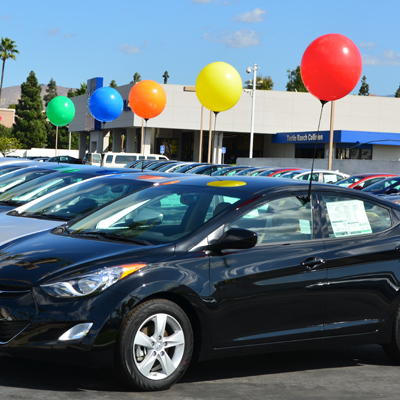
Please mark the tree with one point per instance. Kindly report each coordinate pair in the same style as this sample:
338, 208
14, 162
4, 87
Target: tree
51, 91
397, 94
12, 106
113, 84
30, 124
295, 83
9, 145
364, 88
78, 92
8, 49
165, 76
136, 78
262, 83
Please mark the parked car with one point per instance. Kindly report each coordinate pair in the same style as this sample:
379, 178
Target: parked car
318, 175
67, 203
277, 172
229, 171
206, 169
42, 184
361, 181
179, 271
65, 160
386, 186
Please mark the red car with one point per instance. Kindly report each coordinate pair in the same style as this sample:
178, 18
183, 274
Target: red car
277, 172
361, 181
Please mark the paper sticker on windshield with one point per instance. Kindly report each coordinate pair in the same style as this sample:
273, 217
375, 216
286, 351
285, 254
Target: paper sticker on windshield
226, 183
348, 218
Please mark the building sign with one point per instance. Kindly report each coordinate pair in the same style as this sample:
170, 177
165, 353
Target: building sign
91, 123
301, 138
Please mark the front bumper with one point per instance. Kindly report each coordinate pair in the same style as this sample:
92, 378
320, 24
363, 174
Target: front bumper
31, 324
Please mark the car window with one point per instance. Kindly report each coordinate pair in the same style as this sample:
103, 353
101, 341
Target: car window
306, 177
331, 178
109, 159
347, 216
283, 219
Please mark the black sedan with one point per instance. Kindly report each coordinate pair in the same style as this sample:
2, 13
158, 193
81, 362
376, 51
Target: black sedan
65, 160
205, 267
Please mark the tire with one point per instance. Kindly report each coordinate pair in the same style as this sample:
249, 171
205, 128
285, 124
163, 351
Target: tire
392, 349
154, 346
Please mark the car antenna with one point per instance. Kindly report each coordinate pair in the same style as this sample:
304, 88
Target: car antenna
308, 198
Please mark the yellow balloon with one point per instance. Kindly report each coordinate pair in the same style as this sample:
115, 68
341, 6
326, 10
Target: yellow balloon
218, 86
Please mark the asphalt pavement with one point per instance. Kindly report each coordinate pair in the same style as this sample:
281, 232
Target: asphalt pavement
338, 373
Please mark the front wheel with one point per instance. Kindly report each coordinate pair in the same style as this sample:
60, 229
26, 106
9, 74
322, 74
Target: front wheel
155, 345
392, 349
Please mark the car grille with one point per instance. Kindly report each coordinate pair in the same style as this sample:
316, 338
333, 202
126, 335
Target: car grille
9, 329
11, 291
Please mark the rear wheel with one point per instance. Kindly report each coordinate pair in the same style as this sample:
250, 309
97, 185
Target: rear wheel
392, 349
155, 345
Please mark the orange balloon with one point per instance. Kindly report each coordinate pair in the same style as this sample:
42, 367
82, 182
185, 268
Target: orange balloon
147, 99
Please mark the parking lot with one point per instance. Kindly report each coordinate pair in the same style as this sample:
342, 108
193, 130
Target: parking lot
340, 373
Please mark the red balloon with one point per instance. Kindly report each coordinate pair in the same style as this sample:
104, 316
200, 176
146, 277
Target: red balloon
331, 67
147, 99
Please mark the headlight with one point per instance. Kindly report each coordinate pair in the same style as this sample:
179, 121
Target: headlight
93, 282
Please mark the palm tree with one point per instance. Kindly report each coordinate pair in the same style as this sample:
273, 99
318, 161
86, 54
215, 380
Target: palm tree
165, 76
136, 78
8, 49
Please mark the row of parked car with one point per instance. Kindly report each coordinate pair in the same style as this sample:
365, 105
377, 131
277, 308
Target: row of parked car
142, 270
382, 184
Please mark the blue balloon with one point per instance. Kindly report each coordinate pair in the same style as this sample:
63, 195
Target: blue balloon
106, 104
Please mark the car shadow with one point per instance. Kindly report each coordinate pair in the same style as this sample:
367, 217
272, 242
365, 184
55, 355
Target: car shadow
27, 374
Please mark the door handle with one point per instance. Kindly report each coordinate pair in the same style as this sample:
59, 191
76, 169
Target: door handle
312, 262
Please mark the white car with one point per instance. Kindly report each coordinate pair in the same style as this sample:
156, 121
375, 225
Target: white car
318, 175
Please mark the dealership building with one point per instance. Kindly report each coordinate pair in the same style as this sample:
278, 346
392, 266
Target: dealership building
285, 126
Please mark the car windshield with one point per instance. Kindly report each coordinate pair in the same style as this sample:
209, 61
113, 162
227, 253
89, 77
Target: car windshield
41, 186
382, 185
81, 198
349, 181
290, 175
157, 215
20, 176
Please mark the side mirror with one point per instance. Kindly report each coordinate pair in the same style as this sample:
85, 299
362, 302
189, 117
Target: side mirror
234, 239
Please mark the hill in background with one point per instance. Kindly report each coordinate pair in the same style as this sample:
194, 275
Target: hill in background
11, 95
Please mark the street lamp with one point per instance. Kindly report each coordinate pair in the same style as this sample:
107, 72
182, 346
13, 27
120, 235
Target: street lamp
253, 95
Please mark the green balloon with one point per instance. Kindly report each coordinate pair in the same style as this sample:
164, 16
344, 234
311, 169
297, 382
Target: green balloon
60, 111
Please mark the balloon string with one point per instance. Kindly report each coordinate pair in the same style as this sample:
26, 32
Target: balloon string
214, 130
315, 151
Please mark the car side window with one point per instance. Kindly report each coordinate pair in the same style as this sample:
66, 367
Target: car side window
284, 219
347, 216
331, 178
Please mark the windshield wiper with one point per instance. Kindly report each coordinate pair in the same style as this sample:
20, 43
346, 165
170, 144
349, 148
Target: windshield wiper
113, 237
47, 216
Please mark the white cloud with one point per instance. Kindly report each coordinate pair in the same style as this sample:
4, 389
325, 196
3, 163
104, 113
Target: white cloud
367, 45
251, 16
129, 49
388, 57
239, 39
53, 32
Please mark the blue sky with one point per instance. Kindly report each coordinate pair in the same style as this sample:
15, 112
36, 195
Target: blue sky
74, 41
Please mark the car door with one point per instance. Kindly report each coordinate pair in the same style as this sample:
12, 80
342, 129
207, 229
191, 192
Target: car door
362, 239
276, 290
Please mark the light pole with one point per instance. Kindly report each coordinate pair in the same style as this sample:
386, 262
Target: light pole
253, 95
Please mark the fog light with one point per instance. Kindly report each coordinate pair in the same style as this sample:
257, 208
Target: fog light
77, 332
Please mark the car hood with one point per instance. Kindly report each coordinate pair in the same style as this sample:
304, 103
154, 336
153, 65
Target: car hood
39, 257
13, 227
